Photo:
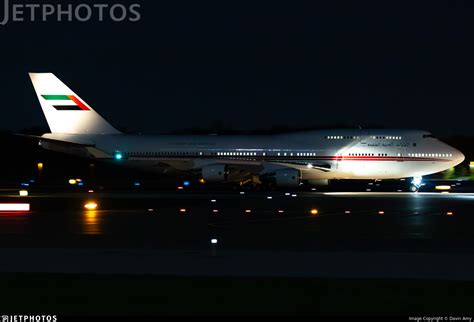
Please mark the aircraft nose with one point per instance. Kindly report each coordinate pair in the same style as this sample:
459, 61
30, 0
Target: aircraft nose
458, 157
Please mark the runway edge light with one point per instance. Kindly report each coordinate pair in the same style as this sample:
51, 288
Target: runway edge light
90, 205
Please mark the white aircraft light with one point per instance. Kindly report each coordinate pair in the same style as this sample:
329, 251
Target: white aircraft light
14, 207
417, 181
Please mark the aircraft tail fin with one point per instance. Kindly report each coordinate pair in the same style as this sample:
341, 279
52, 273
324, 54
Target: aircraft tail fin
64, 110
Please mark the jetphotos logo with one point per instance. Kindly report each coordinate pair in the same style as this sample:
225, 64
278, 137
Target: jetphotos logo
77, 12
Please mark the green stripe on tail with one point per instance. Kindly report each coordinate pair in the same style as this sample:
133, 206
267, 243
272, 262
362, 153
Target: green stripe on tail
56, 97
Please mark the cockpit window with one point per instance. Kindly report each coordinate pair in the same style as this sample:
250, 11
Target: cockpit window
428, 136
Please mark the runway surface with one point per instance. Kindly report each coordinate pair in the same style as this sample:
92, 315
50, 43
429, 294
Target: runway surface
422, 222
266, 231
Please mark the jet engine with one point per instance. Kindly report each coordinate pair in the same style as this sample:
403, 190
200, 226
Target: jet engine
215, 173
287, 178
318, 182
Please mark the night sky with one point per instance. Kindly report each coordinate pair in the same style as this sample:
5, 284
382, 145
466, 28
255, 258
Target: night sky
254, 66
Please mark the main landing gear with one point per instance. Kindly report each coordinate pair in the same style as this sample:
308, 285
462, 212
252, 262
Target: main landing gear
416, 183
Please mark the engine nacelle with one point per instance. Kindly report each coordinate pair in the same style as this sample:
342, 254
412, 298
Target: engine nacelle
318, 182
214, 173
287, 178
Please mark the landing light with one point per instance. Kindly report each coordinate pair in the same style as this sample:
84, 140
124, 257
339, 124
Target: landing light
23, 193
72, 181
213, 241
449, 213
180, 188
309, 165
417, 181
280, 211
182, 210
247, 211
91, 205
314, 211
443, 187
202, 180
381, 212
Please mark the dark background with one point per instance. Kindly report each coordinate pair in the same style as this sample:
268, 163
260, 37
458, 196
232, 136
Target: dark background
249, 65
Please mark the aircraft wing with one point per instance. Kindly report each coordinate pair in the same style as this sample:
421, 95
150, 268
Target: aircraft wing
82, 148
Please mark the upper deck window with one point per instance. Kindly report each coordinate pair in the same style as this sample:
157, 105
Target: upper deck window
386, 137
341, 137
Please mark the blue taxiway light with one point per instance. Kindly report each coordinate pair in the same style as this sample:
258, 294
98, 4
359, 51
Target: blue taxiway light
136, 184
186, 183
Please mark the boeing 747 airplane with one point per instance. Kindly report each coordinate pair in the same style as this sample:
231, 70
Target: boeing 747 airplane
286, 160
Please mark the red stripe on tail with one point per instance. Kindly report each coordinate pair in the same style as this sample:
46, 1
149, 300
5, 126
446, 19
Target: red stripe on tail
78, 102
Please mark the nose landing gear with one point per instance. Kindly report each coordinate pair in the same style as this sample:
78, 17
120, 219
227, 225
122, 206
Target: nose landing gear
416, 183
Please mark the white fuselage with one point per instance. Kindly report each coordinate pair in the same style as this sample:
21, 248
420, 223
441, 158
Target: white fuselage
323, 154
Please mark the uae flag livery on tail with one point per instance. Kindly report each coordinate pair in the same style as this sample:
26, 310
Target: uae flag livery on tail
65, 111
66, 102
